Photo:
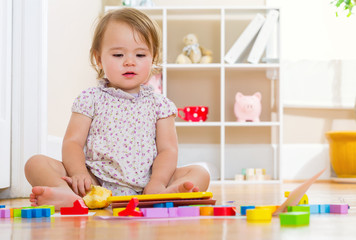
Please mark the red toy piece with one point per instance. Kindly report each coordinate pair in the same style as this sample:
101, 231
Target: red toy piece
130, 209
79, 208
224, 211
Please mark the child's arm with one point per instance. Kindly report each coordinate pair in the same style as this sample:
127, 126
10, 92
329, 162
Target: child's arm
73, 155
167, 156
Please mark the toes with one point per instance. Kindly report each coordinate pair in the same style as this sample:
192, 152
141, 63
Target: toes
188, 186
38, 190
185, 187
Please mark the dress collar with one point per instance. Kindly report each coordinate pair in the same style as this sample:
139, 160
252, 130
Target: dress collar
144, 90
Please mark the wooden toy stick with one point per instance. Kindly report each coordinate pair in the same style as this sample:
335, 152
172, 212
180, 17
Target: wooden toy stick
297, 194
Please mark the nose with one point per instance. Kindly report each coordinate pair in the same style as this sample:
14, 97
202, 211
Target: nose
129, 61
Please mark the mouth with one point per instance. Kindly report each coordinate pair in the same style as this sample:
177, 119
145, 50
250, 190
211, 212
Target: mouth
129, 74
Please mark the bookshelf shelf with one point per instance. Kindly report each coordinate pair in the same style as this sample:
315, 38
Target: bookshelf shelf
227, 146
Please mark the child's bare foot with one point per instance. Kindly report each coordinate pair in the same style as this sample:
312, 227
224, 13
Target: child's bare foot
181, 188
57, 196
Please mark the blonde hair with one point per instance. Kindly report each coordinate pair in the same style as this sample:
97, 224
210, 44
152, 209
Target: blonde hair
148, 30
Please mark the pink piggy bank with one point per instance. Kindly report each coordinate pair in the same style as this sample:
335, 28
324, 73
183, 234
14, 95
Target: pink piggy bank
248, 108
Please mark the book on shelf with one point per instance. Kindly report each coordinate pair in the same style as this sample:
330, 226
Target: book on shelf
245, 39
263, 37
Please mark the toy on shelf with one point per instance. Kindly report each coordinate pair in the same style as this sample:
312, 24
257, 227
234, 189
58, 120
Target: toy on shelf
252, 174
155, 81
193, 52
137, 3
248, 108
194, 113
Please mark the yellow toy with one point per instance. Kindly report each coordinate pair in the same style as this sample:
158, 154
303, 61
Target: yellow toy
166, 196
304, 199
258, 215
193, 52
271, 208
97, 197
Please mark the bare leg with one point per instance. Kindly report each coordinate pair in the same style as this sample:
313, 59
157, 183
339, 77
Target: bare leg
191, 178
45, 175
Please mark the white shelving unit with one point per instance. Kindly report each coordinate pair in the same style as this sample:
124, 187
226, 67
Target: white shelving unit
224, 143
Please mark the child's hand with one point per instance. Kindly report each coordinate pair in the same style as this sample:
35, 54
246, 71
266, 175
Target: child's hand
80, 183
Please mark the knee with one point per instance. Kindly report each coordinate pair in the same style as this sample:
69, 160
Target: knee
202, 171
33, 162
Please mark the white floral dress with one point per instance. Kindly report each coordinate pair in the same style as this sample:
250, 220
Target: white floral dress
121, 144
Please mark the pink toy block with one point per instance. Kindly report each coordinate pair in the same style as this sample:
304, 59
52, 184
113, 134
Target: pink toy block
130, 209
79, 208
339, 208
5, 213
188, 211
155, 212
173, 212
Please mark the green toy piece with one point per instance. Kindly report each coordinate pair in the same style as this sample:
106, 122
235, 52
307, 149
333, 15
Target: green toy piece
298, 209
294, 218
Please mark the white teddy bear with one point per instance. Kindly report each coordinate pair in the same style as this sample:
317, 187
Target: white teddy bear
192, 52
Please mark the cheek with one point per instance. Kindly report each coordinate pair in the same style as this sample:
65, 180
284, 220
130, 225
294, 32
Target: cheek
111, 65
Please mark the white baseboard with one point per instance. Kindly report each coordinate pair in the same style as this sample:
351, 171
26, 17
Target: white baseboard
299, 161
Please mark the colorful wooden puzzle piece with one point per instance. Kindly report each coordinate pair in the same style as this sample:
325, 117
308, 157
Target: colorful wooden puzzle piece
225, 211
296, 195
131, 209
258, 215
244, 208
79, 208
294, 218
339, 208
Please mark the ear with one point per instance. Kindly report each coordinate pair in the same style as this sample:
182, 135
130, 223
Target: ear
258, 95
98, 60
238, 96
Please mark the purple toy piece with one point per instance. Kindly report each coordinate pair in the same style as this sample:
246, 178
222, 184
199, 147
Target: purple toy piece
173, 212
188, 211
155, 212
339, 208
4, 213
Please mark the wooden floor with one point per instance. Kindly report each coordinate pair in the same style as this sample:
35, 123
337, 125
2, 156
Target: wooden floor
325, 226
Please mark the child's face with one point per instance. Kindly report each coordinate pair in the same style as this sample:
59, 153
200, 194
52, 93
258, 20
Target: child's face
124, 57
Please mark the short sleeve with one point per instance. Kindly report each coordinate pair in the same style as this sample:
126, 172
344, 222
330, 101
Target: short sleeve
84, 103
164, 107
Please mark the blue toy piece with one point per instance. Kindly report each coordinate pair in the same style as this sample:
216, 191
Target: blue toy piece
244, 208
46, 212
26, 213
163, 205
324, 208
158, 205
314, 208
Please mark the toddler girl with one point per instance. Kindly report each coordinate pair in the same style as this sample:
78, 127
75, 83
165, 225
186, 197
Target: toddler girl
121, 134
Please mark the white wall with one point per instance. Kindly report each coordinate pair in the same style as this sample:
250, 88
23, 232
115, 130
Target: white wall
310, 32
70, 27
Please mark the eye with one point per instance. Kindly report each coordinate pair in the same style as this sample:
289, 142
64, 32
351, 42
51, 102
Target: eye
118, 55
141, 55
